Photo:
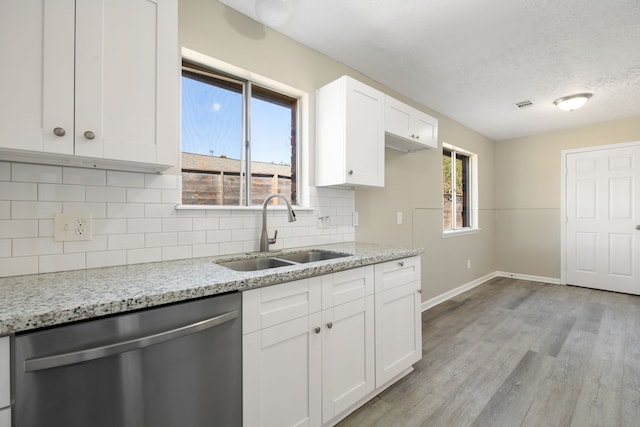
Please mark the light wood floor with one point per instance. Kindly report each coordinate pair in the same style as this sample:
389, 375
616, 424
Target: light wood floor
518, 353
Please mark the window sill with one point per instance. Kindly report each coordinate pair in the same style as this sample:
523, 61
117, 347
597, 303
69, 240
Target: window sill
460, 232
237, 208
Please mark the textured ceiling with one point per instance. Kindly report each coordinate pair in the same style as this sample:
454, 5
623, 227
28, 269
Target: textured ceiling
474, 60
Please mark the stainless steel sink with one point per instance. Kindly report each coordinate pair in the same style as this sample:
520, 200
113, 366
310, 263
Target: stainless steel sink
311, 256
281, 260
254, 264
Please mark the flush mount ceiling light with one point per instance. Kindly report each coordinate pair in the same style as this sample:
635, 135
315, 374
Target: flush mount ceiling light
572, 102
274, 13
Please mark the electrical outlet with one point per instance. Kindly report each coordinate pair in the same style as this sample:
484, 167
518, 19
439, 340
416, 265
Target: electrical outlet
355, 219
399, 218
73, 227
468, 263
324, 221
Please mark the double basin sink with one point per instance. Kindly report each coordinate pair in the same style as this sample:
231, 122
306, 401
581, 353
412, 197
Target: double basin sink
281, 260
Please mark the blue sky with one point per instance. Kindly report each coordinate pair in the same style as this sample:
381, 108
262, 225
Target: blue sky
212, 124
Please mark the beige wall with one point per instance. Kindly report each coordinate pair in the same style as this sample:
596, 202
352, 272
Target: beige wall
413, 181
528, 194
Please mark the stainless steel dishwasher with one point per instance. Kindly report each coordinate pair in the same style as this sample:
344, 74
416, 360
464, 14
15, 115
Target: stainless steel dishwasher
176, 366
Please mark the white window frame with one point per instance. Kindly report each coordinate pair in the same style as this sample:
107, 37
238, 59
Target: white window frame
473, 192
302, 149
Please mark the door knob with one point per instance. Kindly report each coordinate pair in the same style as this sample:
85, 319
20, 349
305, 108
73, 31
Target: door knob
59, 132
89, 135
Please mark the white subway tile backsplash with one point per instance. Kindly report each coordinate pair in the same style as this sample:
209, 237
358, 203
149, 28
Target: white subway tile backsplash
144, 225
18, 191
192, 237
135, 220
106, 194
139, 256
22, 172
125, 241
106, 258
98, 243
35, 210
18, 228
210, 249
18, 266
177, 224
168, 182
110, 226
147, 195
84, 176
38, 246
61, 192
125, 210
156, 240
176, 252
5, 248
5, 209
98, 210
5, 171
66, 262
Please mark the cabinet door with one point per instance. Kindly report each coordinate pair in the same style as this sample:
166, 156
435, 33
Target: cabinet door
281, 375
5, 417
36, 65
5, 369
347, 355
397, 117
126, 80
364, 135
398, 331
425, 129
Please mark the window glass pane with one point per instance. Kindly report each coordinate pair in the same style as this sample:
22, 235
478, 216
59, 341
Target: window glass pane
211, 140
272, 146
447, 191
462, 205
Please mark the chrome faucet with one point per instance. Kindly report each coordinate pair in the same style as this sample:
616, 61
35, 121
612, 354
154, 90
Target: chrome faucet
265, 241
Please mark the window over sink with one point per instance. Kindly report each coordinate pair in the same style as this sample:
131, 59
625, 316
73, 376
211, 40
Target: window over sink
240, 139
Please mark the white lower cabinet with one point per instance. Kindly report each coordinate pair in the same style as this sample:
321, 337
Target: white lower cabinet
310, 350
398, 320
5, 375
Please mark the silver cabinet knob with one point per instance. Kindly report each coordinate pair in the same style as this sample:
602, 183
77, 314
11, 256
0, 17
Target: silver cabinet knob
419, 291
351, 172
59, 132
89, 135
417, 136
330, 325
317, 329
401, 263
638, 227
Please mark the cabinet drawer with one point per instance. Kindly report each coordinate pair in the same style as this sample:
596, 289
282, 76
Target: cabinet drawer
344, 286
276, 304
397, 273
5, 369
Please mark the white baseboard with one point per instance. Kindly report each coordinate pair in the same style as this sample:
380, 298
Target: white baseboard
457, 291
518, 276
460, 289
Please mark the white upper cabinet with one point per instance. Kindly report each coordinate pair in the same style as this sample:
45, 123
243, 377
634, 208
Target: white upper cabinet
350, 134
408, 129
96, 81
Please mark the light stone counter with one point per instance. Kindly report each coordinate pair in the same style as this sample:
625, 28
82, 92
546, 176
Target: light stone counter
40, 300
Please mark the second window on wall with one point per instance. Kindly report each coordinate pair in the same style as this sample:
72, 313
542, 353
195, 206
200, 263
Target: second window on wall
458, 189
233, 129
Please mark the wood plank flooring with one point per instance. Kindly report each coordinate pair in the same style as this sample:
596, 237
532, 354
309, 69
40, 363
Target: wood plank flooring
517, 353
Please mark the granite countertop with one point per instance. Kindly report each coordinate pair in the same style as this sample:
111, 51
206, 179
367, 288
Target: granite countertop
40, 300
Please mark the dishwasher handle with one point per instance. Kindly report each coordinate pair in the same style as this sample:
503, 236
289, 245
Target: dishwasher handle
64, 359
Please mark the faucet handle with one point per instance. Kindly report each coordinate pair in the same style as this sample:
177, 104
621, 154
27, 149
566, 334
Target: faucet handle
275, 236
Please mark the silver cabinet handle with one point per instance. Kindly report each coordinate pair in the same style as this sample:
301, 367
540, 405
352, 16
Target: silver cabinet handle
89, 135
317, 329
330, 325
59, 132
64, 359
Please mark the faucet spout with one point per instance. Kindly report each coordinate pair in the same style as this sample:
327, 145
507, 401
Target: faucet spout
265, 241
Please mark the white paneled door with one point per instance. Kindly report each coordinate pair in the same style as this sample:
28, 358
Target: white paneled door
602, 207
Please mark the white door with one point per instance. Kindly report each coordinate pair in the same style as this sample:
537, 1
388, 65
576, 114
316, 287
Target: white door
602, 205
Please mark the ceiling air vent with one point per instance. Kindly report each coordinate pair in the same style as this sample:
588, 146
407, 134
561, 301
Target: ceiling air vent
524, 104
